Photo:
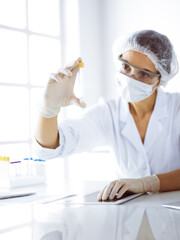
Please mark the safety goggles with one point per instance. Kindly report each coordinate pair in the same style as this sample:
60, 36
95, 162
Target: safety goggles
141, 74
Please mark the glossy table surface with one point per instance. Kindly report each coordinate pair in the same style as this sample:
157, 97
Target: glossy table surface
140, 218
107, 222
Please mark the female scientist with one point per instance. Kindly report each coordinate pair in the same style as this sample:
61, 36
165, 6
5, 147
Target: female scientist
142, 125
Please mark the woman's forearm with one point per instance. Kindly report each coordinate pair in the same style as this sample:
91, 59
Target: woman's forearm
169, 181
46, 133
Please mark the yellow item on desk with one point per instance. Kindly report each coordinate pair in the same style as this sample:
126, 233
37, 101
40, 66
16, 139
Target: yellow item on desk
4, 158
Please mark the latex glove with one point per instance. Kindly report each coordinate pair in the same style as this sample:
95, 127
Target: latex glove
139, 185
59, 91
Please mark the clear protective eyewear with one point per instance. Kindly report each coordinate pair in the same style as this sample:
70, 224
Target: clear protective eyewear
140, 75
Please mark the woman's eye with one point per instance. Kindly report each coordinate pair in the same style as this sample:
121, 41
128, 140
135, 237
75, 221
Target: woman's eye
125, 66
145, 75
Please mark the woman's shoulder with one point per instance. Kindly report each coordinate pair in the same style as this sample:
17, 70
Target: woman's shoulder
173, 102
175, 96
105, 108
113, 104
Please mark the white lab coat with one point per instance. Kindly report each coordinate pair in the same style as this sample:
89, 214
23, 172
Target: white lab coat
112, 124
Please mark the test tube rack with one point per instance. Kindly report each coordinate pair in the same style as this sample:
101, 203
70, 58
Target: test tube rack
27, 172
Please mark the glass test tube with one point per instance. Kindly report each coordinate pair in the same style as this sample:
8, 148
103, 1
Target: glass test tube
15, 168
79, 88
4, 165
28, 165
40, 167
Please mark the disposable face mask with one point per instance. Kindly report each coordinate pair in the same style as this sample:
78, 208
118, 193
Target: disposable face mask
133, 90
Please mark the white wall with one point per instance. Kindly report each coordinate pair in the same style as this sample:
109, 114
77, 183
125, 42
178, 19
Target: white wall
91, 48
101, 21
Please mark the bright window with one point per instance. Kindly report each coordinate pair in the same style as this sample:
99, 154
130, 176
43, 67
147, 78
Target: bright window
30, 50
37, 37
13, 13
13, 57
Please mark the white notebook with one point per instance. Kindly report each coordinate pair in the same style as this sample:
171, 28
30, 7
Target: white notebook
92, 199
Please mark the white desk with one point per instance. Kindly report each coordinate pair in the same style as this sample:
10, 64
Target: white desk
142, 218
52, 191
47, 193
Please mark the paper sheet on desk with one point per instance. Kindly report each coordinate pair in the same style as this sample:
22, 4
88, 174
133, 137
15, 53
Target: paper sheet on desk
10, 194
10, 197
174, 205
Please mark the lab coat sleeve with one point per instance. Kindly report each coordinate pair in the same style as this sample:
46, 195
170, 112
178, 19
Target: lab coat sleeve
79, 135
177, 115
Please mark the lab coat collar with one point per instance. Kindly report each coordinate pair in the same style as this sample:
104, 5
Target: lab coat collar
160, 108
161, 105
155, 126
156, 122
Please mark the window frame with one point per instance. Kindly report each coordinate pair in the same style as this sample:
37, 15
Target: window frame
28, 85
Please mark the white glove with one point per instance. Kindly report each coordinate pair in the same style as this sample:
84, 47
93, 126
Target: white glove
139, 185
59, 91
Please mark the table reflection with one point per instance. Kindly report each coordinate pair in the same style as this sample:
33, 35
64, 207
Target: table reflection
104, 222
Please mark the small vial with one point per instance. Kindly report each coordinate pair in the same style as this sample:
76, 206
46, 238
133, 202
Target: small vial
15, 168
24, 167
28, 165
79, 86
40, 167
12, 170
5, 165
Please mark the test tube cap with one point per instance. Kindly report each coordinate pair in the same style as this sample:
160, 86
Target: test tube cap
81, 65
